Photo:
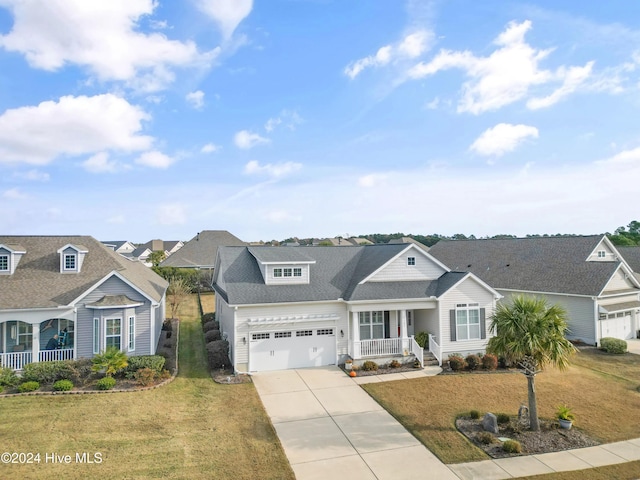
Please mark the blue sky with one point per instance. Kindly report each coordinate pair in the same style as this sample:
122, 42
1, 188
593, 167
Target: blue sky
134, 119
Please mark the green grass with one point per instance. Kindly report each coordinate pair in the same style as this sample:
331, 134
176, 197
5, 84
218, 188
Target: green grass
192, 428
603, 400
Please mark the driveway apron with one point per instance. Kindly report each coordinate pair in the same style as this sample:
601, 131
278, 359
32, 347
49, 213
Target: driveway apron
330, 428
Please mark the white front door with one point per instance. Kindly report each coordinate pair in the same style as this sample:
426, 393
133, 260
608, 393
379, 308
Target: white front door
292, 348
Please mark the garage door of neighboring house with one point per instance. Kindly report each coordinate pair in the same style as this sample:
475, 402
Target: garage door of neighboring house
617, 325
292, 348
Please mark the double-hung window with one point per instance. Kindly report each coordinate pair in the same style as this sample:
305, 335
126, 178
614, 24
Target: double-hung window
132, 334
25, 334
113, 335
371, 325
467, 321
4, 263
69, 262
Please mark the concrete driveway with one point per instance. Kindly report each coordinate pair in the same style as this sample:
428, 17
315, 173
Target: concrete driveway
330, 428
633, 346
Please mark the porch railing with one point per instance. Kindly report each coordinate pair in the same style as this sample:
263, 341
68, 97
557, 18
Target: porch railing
377, 347
15, 360
417, 350
53, 355
435, 349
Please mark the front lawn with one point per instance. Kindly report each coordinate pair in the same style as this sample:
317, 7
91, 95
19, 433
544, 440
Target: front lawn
605, 403
192, 428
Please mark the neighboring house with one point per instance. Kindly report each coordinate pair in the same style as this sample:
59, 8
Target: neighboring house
585, 274
200, 252
123, 247
142, 252
409, 240
80, 289
293, 307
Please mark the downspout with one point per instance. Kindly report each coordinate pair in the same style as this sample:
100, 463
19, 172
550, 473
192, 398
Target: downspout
596, 316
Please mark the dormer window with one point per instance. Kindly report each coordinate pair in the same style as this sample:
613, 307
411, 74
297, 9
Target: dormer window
297, 272
69, 262
411, 261
277, 272
4, 263
602, 254
10, 256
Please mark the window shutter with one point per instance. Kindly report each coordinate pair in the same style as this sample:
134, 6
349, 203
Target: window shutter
452, 324
483, 324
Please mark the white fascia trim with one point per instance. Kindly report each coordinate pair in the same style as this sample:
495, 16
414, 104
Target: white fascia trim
628, 272
11, 250
296, 262
118, 306
479, 281
410, 246
535, 292
37, 309
391, 300
71, 245
104, 279
249, 305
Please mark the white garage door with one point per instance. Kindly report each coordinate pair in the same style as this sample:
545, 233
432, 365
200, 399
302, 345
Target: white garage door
293, 348
617, 325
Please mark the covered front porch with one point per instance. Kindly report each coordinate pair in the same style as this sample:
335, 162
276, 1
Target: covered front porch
386, 333
22, 342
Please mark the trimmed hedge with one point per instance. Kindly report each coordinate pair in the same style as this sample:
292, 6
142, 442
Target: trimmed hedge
456, 362
613, 345
49, 372
473, 361
8, 377
106, 383
152, 362
63, 385
218, 354
28, 387
489, 361
212, 336
208, 317
370, 366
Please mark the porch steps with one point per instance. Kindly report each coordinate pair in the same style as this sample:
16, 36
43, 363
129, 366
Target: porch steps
428, 359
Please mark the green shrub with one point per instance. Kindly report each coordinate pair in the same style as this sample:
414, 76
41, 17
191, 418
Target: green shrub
422, 339
485, 438
208, 317
370, 366
473, 361
394, 364
8, 377
456, 362
83, 369
489, 361
49, 372
1, 389
512, 446
146, 376
613, 345
502, 418
106, 383
63, 385
28, 387
474, 414
212, 325
212, 336
153, 362
218, 354
111, 361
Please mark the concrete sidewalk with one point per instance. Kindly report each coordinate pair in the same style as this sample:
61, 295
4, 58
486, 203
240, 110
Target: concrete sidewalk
330, 428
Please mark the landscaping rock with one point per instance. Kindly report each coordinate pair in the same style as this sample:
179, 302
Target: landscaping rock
490, 423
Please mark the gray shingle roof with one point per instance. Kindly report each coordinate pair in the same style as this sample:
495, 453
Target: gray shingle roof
632, 257
38, 283
540, 264
201, 250
335, 274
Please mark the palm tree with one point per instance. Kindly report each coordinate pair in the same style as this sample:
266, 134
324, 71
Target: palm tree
531, 334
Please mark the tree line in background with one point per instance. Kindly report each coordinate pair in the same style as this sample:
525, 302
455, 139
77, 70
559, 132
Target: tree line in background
629, 235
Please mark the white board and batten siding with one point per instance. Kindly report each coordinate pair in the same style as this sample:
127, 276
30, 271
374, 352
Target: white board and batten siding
398, 270
468, 291
330, 315
580, 313
144, 344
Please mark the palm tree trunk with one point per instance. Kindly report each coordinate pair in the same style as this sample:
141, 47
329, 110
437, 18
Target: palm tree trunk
534, 424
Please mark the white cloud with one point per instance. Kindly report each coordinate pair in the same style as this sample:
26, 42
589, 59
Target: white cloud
155, 159
411, 46
101, 36
626, 157
210, 148
226, 13
272, 123
371, 180
502, 138
282, 216
506, 75
72, 126
245, 139
33, 175
172, 214
100, 163
289, 118
273, 170
196, 99
14, 194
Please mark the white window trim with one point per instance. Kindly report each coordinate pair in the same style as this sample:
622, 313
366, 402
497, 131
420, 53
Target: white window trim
467, 308
75, 262
411, 261
96, 335
602, 253
8, 263
371, 323
277, 273
132, 334
106, 320
297, 272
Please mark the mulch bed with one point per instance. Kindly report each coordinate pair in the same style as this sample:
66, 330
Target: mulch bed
382, 370
550, 438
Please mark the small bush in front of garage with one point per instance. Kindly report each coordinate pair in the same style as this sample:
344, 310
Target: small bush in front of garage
218, 354
212, 336
613, 345
369, 366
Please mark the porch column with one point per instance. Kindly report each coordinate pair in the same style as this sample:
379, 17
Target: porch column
35, 343
403, 324
355, 346
4, 337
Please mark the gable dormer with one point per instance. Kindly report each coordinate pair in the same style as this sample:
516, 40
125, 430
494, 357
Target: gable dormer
282, 265
10, 256
604, 252
71, 258
412, 264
